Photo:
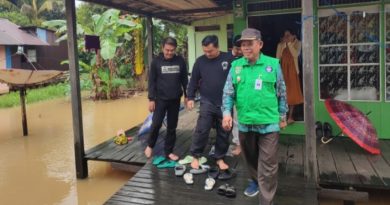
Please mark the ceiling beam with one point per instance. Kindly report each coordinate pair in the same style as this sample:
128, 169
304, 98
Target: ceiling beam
194, 11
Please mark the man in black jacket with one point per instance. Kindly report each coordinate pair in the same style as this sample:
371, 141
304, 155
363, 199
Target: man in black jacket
209, 75
167, 82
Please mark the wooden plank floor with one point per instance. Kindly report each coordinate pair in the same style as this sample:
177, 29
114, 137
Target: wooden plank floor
153, 186
340, 163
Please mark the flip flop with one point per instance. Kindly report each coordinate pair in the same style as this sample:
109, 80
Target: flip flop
188, 159
167, 164
158, 159
180, 170
202, 160
226, 174
203, 168
188, 178
209, 184
230, 191
213, 172
319, 130
222, 189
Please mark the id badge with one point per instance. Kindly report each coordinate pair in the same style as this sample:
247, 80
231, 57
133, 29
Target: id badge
258, 84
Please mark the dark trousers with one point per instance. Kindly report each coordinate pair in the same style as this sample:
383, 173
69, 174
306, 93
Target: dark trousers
261, 155
171, 108
209, 115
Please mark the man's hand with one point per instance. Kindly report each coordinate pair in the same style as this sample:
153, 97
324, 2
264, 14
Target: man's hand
227, 122
152, 106
190, 104
283, 124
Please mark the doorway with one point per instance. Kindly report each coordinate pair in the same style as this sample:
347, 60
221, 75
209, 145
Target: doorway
272, 28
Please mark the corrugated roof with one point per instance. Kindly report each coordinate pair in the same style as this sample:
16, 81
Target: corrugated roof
180, 11
10, 34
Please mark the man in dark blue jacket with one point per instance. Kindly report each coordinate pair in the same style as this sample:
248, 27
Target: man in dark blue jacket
209, 75
167, 82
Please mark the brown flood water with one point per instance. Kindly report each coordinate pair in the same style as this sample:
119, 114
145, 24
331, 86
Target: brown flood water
39, 169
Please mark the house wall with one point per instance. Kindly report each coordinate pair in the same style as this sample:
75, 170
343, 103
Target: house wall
379, 109
195, 37
50, 57
2, 57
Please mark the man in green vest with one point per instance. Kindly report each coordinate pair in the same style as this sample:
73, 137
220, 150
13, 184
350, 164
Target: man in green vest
256, 87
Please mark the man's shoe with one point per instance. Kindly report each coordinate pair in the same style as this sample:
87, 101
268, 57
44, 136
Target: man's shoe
252, 189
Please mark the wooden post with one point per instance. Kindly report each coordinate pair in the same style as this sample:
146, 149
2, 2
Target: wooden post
22, 92
149, 31
308, 90
81, 162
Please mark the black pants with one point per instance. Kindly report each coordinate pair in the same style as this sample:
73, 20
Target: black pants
209, 115
171, 107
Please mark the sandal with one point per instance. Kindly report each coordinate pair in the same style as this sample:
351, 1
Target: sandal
180, 170
188, 159
203, 168
213, 172
319, 130
209, 184
167, 164
222, 189
158, 159
188, 178
230, 191
226, 174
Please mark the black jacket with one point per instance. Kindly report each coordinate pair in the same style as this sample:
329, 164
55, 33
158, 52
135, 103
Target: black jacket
209, 76
167, 78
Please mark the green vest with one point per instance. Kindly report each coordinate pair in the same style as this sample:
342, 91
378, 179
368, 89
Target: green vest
255, 86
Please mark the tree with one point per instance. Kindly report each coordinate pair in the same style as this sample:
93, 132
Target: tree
113, 31
35, 9
16, 18
162, 29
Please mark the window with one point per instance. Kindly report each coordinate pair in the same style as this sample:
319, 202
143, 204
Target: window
387, 52
349, 64
32, 55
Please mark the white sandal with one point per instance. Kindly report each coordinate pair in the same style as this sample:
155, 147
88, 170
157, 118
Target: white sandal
188, 178
209, 184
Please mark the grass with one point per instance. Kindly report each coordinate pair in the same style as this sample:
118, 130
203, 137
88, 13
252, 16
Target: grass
35, 95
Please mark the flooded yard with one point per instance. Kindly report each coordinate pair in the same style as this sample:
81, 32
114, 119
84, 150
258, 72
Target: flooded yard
40, 169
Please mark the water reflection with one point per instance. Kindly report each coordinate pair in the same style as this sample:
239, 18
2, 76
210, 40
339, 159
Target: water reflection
39, 169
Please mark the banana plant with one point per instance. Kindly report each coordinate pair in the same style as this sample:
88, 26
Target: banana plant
113, 31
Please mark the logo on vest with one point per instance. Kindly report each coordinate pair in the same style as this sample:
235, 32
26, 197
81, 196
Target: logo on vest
238, 69
268, 69
224, 65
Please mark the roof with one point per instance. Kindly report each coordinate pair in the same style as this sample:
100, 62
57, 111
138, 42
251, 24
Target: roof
180, 11
11, 34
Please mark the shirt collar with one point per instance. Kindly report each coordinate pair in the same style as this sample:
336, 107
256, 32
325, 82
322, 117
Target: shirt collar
260, 61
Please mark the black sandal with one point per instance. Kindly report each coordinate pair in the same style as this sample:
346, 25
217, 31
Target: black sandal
319, 130
230, 191
213, 172
226, 174
222, 189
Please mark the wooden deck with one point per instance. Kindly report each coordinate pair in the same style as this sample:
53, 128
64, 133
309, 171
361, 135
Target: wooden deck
340, 163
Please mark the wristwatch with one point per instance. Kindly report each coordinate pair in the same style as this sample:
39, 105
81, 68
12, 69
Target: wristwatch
283, 118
